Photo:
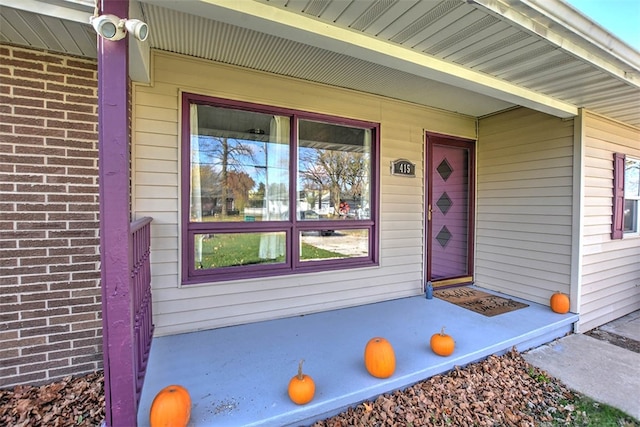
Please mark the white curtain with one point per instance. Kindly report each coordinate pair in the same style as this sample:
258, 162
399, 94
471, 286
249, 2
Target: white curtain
196, 189
272, 245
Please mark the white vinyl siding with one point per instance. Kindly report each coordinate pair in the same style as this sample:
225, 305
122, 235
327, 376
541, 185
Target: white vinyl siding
156, 192
610, 268
524, 210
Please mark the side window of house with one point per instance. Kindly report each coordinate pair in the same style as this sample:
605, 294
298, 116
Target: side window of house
268, 191
631, 194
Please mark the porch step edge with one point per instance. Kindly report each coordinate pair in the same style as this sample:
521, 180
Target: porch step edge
329, 408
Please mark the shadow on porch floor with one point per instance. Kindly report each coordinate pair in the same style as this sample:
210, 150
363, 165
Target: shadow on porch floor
238, 376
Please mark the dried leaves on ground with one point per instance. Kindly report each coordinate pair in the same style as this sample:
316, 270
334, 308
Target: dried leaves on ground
499, 391
70, 402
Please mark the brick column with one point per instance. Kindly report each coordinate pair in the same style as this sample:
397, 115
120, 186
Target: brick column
50, 313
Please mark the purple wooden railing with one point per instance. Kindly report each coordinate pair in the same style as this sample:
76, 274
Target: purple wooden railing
140, 246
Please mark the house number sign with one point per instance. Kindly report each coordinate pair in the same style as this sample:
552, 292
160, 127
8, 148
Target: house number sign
403, 167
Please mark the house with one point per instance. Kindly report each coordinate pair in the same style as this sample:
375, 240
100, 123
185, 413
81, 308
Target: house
496, 143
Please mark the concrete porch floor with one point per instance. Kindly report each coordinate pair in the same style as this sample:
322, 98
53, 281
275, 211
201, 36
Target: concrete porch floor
238, 376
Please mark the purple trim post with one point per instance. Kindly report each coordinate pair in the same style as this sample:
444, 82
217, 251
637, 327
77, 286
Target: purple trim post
117, 320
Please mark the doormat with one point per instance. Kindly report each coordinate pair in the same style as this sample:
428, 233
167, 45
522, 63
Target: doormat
479, 301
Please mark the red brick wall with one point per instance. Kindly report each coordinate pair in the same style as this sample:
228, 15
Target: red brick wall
50, 318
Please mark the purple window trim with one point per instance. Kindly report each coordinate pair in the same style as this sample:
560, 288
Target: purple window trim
617, 216
292, 226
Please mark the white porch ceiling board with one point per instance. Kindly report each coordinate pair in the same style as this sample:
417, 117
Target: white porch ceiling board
413, 16
493, 48
354, 12
397, 10
543, 79
70, 37
531, 70
608, 90
68, 10
46, 32
575, 90
8, 32
480, 40
515, 58
453, 39
330, 9
437, 32
22, 24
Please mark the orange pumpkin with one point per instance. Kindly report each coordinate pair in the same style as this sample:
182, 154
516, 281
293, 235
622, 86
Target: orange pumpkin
171, 407
559, 303
301, 387
442, 344
379, 358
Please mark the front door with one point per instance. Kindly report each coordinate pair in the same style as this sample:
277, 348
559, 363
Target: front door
450, 210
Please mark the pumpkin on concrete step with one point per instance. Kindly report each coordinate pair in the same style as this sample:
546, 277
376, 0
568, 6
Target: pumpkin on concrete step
301, 387
442, 344
559, 302
171, 407
379, 358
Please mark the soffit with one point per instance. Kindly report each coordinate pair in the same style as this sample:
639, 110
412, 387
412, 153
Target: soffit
509, 50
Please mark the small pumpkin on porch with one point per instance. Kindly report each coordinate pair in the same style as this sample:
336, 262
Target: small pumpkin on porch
442, 344
171, 407
379, 358
560, 303
301, 387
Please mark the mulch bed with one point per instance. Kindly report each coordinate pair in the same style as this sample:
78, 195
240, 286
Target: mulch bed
499, 391
70, 402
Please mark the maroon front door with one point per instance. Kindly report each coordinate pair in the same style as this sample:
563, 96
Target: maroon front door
450, 209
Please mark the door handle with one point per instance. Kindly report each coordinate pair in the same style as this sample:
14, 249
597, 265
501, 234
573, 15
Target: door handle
429, 213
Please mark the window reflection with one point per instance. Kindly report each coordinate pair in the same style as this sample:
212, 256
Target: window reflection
317, 245
334, 167
239, 165
238, 249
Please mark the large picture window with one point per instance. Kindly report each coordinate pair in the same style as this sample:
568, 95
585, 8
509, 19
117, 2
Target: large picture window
269, 191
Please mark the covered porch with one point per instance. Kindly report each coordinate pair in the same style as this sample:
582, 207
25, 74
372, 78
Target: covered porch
238, 376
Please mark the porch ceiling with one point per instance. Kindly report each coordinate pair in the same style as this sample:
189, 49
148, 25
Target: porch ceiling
475, 57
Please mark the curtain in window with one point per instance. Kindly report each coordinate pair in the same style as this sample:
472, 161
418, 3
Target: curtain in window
196, 189
272, 245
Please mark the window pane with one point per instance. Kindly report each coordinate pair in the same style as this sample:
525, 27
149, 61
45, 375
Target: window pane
329, 244
632, 178
334, 171
238, 249
239, 165
630, 215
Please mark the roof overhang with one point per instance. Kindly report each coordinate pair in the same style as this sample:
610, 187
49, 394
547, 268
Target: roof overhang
474, 57
265, 18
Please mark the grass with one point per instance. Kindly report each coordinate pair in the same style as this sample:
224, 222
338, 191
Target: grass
585, 411
589, 413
